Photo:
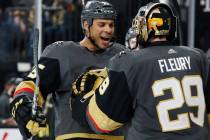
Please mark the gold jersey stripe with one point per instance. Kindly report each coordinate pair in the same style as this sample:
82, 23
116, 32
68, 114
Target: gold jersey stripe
102, 121
26, 84
89, 136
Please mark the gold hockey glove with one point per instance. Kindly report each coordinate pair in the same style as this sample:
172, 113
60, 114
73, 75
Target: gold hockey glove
82, 89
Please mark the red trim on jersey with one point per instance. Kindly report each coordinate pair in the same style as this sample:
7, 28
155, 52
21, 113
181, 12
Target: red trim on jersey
95, 124
27, 90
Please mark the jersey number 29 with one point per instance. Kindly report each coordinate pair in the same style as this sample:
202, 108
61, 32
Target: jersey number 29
181, 94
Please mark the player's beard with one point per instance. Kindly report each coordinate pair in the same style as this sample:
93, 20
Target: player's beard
94, 42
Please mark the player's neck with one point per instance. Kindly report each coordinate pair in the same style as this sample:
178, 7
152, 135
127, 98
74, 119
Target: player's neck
158, 39
88, 44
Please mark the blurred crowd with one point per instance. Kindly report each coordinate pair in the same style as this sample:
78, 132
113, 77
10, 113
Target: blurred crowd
60, 22
16, 23
5, 98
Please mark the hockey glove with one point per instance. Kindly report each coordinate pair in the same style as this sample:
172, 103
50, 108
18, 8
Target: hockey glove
82, 89
21, 110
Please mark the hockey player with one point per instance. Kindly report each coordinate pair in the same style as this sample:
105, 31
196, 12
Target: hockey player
59, 65
160, 89
131, 40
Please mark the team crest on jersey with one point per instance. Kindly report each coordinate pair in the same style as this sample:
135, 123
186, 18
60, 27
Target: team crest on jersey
121, 53
172, 51
58, 43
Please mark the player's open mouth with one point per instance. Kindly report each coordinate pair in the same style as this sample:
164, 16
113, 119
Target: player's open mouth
105, 38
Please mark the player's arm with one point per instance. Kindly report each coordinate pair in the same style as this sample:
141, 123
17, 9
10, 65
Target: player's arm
111, 105
108, 103
21, 105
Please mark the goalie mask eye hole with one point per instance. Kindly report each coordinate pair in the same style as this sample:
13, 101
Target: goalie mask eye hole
142, 13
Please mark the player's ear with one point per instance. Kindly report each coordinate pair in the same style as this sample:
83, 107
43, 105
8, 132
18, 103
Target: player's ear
85, 26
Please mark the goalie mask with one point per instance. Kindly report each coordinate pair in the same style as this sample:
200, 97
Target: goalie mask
153, 20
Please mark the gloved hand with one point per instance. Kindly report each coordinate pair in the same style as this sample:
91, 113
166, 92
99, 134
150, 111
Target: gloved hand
21, 110
88, 82
82, 89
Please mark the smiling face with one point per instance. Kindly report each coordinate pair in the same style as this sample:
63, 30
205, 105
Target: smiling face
101, 32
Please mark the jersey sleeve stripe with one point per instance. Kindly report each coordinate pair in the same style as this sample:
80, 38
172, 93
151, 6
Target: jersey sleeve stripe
94, 124
27, 90
28, 87
100, 120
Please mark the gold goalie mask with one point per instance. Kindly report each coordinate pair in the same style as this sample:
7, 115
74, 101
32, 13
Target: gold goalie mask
154, 19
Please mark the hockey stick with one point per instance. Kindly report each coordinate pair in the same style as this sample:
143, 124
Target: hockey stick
37, 114
35, 39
